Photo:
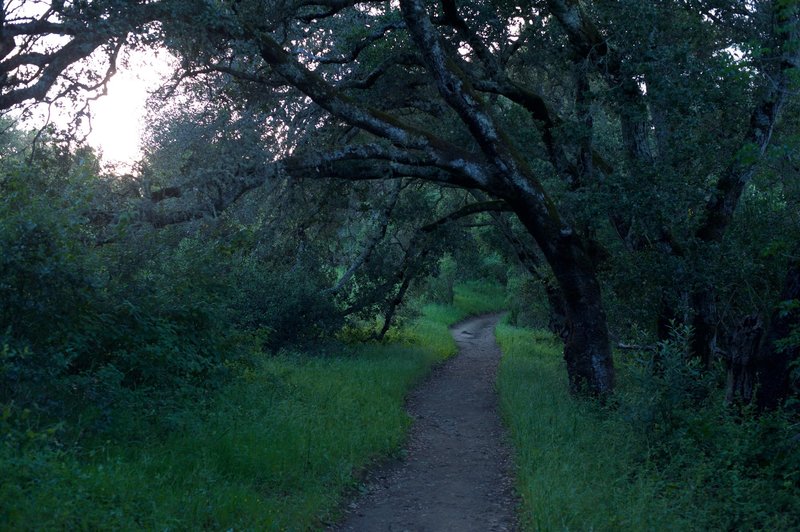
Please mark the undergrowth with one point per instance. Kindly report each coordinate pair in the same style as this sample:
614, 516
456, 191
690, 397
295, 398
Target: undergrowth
666, 455
276, 449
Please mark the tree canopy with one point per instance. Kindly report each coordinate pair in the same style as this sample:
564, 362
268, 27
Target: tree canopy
641, 146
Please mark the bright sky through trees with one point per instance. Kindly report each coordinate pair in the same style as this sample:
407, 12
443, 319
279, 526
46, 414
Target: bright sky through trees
117, 117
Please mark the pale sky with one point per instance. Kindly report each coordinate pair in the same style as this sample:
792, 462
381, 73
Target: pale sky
118, 117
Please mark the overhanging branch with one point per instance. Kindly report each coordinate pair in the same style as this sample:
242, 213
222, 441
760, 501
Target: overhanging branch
467, 210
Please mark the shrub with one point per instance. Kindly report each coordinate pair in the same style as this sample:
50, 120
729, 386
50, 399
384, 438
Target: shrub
734, 469
527, 303
75, 341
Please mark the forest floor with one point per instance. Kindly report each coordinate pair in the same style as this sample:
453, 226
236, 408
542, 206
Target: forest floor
456, 470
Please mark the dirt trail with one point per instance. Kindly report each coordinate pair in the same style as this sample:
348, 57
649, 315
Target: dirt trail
456, 474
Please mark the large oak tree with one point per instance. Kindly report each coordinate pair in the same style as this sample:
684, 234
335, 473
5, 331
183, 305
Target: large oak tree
596, 123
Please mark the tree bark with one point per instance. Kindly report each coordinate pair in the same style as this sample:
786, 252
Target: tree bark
703, 343
741, 360
774, 364
587, 348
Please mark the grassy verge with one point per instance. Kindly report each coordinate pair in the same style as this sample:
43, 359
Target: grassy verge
669, 456
576, 466
275, 450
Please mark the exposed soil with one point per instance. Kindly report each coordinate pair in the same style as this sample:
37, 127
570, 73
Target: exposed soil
456, 474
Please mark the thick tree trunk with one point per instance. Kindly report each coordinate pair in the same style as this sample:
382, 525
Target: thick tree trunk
704, 326
587, 349
741, 360
774, 364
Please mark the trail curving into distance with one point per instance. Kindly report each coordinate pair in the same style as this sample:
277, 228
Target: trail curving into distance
457, 471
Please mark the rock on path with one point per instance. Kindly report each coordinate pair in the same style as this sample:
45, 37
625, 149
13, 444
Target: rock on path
457, 471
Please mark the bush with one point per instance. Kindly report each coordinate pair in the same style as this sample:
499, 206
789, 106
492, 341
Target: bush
75, 340
291, 306
527, 303
666, 455
439, 287
736, 470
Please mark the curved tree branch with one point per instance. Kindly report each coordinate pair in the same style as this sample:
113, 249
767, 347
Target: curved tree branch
88, 33
362, 162
418, 250
359, 47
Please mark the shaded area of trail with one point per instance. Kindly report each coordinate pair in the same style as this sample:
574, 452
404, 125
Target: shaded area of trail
456, 474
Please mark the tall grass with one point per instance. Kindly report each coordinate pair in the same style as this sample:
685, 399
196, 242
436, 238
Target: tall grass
469, 299
574, 462
667, 456
479, 297
275, 450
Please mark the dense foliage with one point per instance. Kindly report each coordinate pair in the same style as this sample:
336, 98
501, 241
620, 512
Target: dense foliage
277, 448
668, 456
315, 171
595, 123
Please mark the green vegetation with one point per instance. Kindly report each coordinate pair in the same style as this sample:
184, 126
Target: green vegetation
320, 176
665, 456
276, 448
572, 463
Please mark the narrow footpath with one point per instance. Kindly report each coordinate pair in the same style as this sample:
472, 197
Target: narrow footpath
456, 474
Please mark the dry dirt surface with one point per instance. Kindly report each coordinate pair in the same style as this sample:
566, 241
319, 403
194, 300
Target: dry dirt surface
456, 474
